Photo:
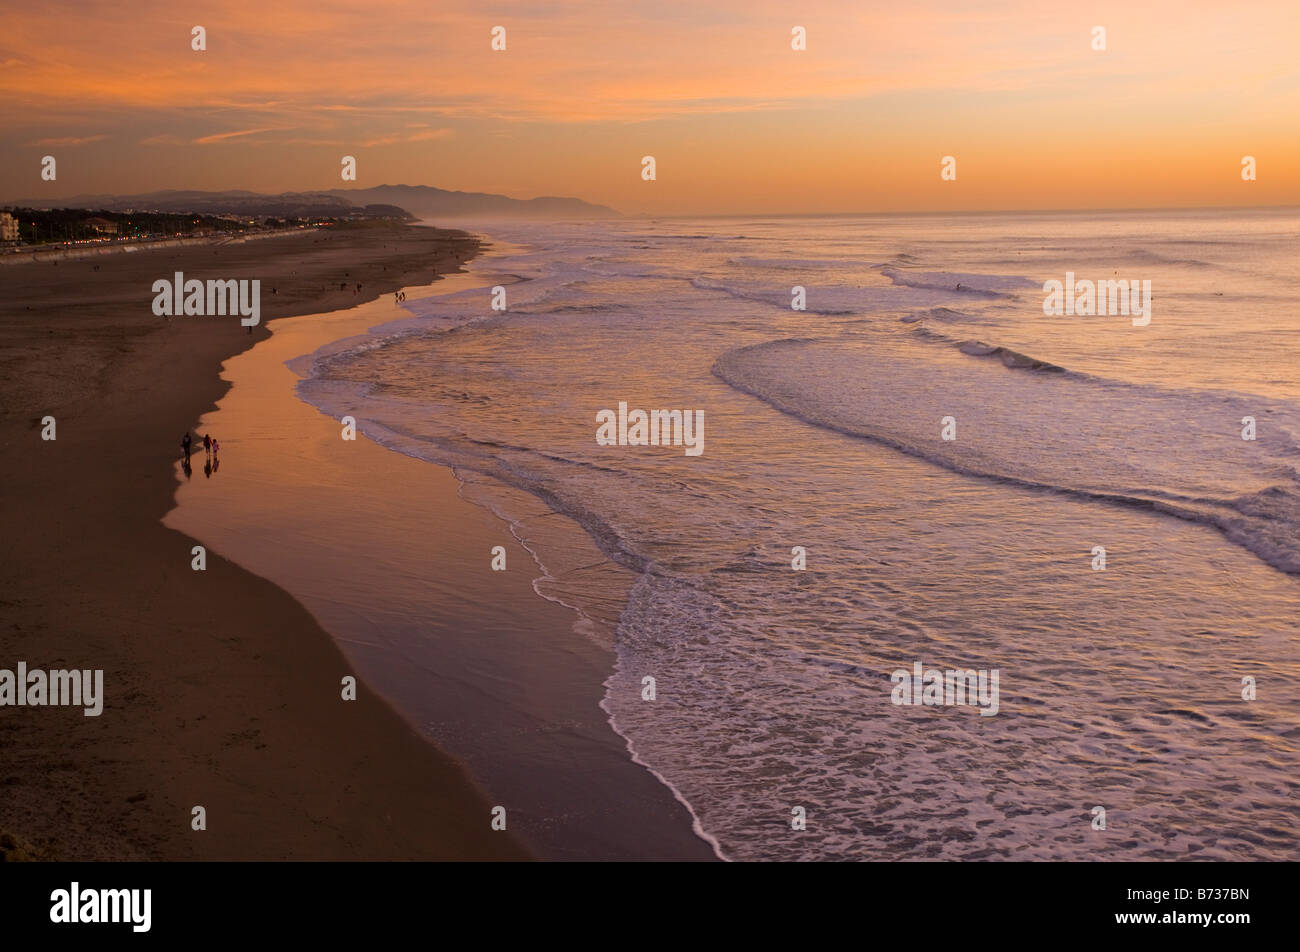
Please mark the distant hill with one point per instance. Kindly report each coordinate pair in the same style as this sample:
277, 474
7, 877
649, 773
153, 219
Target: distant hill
425, 201
417, 201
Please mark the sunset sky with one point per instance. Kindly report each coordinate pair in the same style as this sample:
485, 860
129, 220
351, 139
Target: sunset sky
738, 122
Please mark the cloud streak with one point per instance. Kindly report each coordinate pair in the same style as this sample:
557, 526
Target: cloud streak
68, 140
425, 135
227, 136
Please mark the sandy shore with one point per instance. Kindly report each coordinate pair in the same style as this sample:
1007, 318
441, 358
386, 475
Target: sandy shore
383, 549
221, 690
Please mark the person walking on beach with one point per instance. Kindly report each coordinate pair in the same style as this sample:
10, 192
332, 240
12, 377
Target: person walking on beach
185, 445
216, 448
207, 444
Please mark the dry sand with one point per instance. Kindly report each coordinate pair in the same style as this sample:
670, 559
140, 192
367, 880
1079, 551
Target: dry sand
221, 690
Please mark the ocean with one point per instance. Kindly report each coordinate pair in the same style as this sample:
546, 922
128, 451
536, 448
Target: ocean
1122, 682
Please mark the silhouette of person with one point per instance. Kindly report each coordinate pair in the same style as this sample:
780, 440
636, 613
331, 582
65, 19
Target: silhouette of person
207, 444
185, 445
187, 468
207, 469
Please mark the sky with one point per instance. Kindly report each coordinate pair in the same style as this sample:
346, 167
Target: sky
738, 122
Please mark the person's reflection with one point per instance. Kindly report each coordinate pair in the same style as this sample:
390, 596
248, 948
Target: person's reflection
216, 463
207, 469
187, 468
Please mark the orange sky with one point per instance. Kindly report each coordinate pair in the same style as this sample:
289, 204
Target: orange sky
737, 121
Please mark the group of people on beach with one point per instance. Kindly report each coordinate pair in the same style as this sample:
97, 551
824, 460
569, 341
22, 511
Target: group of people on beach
399, 297
211, 449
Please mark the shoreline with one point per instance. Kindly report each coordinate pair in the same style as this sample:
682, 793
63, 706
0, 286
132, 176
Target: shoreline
221, 690
489, 666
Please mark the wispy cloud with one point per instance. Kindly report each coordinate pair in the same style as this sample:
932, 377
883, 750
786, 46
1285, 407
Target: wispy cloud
425, 135
224, 136
165, 138
67, 140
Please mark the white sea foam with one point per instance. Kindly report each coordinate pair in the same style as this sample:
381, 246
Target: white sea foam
773, 684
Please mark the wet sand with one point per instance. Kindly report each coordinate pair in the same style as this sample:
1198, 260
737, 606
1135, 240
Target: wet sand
389, 555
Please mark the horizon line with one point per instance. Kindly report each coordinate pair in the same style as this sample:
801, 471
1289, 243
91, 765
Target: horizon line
746, 214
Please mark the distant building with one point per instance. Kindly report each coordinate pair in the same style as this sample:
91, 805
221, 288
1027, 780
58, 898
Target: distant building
8, 227
101, 226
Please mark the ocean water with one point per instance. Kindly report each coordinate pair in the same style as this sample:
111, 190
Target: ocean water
1119, 688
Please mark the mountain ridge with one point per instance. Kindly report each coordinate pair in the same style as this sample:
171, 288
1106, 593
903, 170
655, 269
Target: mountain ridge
420, 201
